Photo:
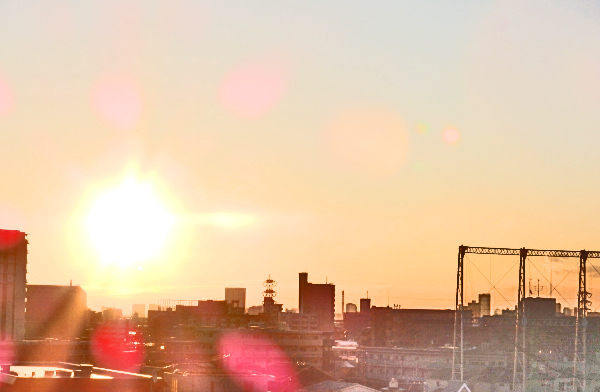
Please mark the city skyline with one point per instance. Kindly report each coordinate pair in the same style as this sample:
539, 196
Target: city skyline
361, 144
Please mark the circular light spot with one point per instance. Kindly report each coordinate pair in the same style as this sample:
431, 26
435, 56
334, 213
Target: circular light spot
118, 101
251, 90
451, 136
422, 128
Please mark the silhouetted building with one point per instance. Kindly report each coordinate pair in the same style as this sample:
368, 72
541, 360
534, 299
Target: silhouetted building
111, 314
13, 269
317, 299
485, 304
412, 327
55, 312
236, 298
351, 308
365, 305
481, 308
539, 308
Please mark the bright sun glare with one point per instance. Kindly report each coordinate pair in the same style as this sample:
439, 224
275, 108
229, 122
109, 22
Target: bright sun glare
128, 224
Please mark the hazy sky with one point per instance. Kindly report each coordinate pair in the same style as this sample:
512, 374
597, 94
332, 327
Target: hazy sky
362, 142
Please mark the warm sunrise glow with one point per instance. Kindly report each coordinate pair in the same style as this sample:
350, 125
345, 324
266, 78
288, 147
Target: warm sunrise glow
128, 224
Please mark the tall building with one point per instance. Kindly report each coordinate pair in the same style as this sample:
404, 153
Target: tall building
235, 297
317, 299
13, 270
55, 312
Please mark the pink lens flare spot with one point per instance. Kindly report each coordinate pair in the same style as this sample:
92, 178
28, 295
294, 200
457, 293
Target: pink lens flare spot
244, 353
117, 346
7, 101
252, 90
9, 239
7, 352
451, 136
118, 101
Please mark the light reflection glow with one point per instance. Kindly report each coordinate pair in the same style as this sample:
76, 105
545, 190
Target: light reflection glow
128, 224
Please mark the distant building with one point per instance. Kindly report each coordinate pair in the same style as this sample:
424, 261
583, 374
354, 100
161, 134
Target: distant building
13, 264
351, 308
139, 309
236, 297
412, 327
255, 310
317, 299
481, 308
55, 312
111, 314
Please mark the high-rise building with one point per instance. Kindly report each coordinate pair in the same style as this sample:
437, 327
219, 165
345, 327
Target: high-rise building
13, 269
317, 299
55, 312
485, 304
235, 297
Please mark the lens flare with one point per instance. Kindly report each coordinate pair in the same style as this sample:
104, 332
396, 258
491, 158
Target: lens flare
422, 128
128, 224
117, 346
6, 98
241, 357
370, 140
118, 101
451, 136
251, 90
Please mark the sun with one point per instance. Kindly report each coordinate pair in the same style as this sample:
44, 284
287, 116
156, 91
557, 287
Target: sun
128, 224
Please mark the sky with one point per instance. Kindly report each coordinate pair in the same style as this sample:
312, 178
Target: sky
167, 149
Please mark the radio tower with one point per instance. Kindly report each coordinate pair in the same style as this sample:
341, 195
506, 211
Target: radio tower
269, 305
269, 292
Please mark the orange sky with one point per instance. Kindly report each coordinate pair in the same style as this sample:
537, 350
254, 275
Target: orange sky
362, 144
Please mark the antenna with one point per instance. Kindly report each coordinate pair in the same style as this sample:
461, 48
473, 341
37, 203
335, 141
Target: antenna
269, 284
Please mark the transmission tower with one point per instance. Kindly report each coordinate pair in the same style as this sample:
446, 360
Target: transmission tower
520, 358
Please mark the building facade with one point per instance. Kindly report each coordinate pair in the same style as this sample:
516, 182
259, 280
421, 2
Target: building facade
13, 281
55, 312
317, 299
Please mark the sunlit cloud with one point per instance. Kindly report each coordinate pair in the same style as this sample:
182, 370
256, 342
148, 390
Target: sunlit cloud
6, 97
253, 89
370, 140
118, 101
451, 136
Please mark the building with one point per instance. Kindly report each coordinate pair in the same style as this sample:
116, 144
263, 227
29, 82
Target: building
412, 327
236, 298
317, 299
66, 377
481, 308
111, 314
351, 308
13, 269
57, 312
139, 309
